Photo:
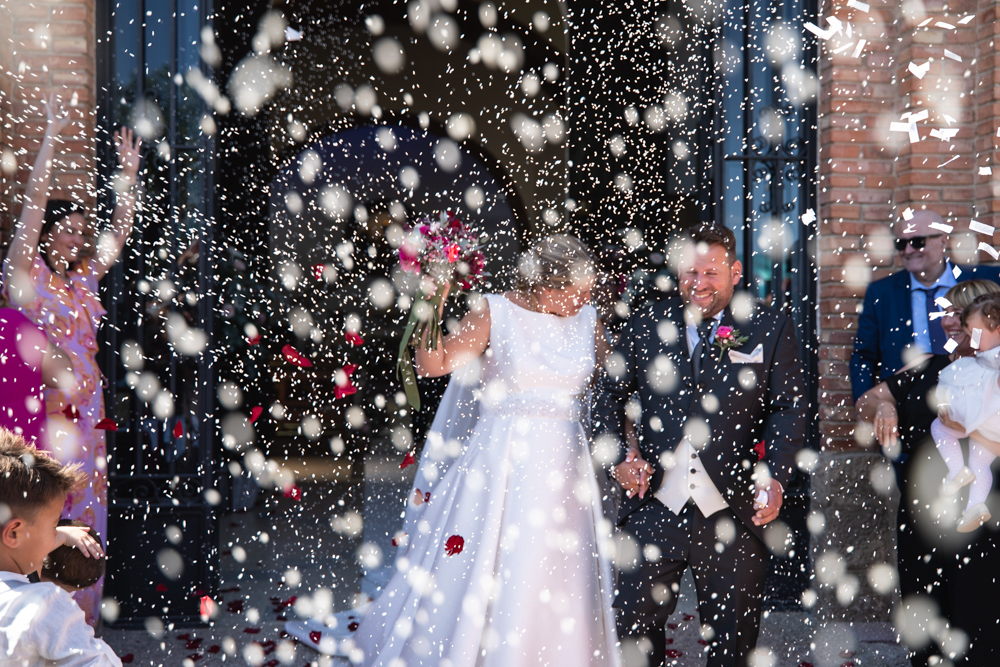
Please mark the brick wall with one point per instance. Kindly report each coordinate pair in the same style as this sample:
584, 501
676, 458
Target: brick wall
869, 174
46, 47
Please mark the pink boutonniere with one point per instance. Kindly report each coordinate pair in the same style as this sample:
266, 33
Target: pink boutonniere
726, 338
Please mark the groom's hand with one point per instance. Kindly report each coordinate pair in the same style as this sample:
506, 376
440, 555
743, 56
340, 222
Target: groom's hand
769, 512
634, 474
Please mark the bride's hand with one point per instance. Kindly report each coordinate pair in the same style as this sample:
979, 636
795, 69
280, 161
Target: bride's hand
633, 474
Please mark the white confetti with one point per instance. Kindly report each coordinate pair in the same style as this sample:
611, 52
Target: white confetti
985, 171
967, 19
956, 271
949, 161
948, 119
914, 134
942, 24
919, 71
859, 48
976, 226
809, 216
925, 22
989, 250
944, 134
919, 116
942, 227
942, 302
841, 49
899, 127
952, 55
950, 346
977, 335
861, 6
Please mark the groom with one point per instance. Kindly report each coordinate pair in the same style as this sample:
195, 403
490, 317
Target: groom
712, 384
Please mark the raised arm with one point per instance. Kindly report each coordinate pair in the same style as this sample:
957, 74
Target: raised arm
459, 348
24, 243
128, 146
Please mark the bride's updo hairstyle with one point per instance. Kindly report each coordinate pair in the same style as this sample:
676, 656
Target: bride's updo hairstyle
556, 262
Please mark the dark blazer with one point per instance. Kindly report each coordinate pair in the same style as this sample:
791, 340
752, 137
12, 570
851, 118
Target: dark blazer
771, 407
885, 327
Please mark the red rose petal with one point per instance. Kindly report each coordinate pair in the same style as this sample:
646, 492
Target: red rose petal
315, 636
454, 545
293, 492
185, 636
340, 392
193, 644
195, 656
106, 424
672, 626
318, 270
254, 340
408, 460
235, 606
71, 412
161, 588
214, 648
703, 642
256, 413
293, 357
352, 626
759, 450
353, 338
206, 607
178, 429
670, 640
673, 653
805, 664
688, 617
127, 658
252, 631
271, 663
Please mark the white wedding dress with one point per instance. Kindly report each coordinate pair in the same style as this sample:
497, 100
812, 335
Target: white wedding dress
532, 583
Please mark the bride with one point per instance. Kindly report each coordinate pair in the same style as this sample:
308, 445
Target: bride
507, 564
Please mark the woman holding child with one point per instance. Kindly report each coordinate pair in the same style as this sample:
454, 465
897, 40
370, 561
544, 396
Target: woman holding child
958, 572
51, 275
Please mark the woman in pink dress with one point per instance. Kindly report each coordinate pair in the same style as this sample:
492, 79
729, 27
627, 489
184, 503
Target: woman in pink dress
52, 278
28, 363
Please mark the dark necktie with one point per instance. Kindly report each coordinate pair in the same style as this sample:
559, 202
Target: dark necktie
702, 355
937, 335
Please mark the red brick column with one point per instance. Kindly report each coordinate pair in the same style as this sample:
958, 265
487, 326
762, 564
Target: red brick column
987, 113
856, 186
869, 174
47, 46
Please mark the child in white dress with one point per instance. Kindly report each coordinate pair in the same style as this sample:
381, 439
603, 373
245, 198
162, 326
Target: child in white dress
968, 396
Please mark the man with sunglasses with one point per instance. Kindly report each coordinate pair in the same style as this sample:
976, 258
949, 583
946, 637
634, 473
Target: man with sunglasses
899, 310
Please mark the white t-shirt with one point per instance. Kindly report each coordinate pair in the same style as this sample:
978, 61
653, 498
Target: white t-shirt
40, 624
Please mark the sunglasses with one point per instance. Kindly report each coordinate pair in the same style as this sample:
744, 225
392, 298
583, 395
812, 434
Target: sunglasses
918, 242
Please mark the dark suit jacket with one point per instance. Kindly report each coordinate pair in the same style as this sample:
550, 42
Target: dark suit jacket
885, 327
770, 408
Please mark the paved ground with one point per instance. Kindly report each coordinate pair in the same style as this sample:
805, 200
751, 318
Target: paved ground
252, 606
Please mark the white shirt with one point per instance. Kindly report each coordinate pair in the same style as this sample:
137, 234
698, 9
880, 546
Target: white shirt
688, 479
918, 301
40, 624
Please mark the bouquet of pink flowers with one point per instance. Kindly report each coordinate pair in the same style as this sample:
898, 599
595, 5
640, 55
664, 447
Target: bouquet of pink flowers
442, 250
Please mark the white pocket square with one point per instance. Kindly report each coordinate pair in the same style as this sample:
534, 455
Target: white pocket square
755, 357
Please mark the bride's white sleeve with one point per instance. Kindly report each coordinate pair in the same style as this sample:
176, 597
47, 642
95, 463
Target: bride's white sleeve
454, 422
